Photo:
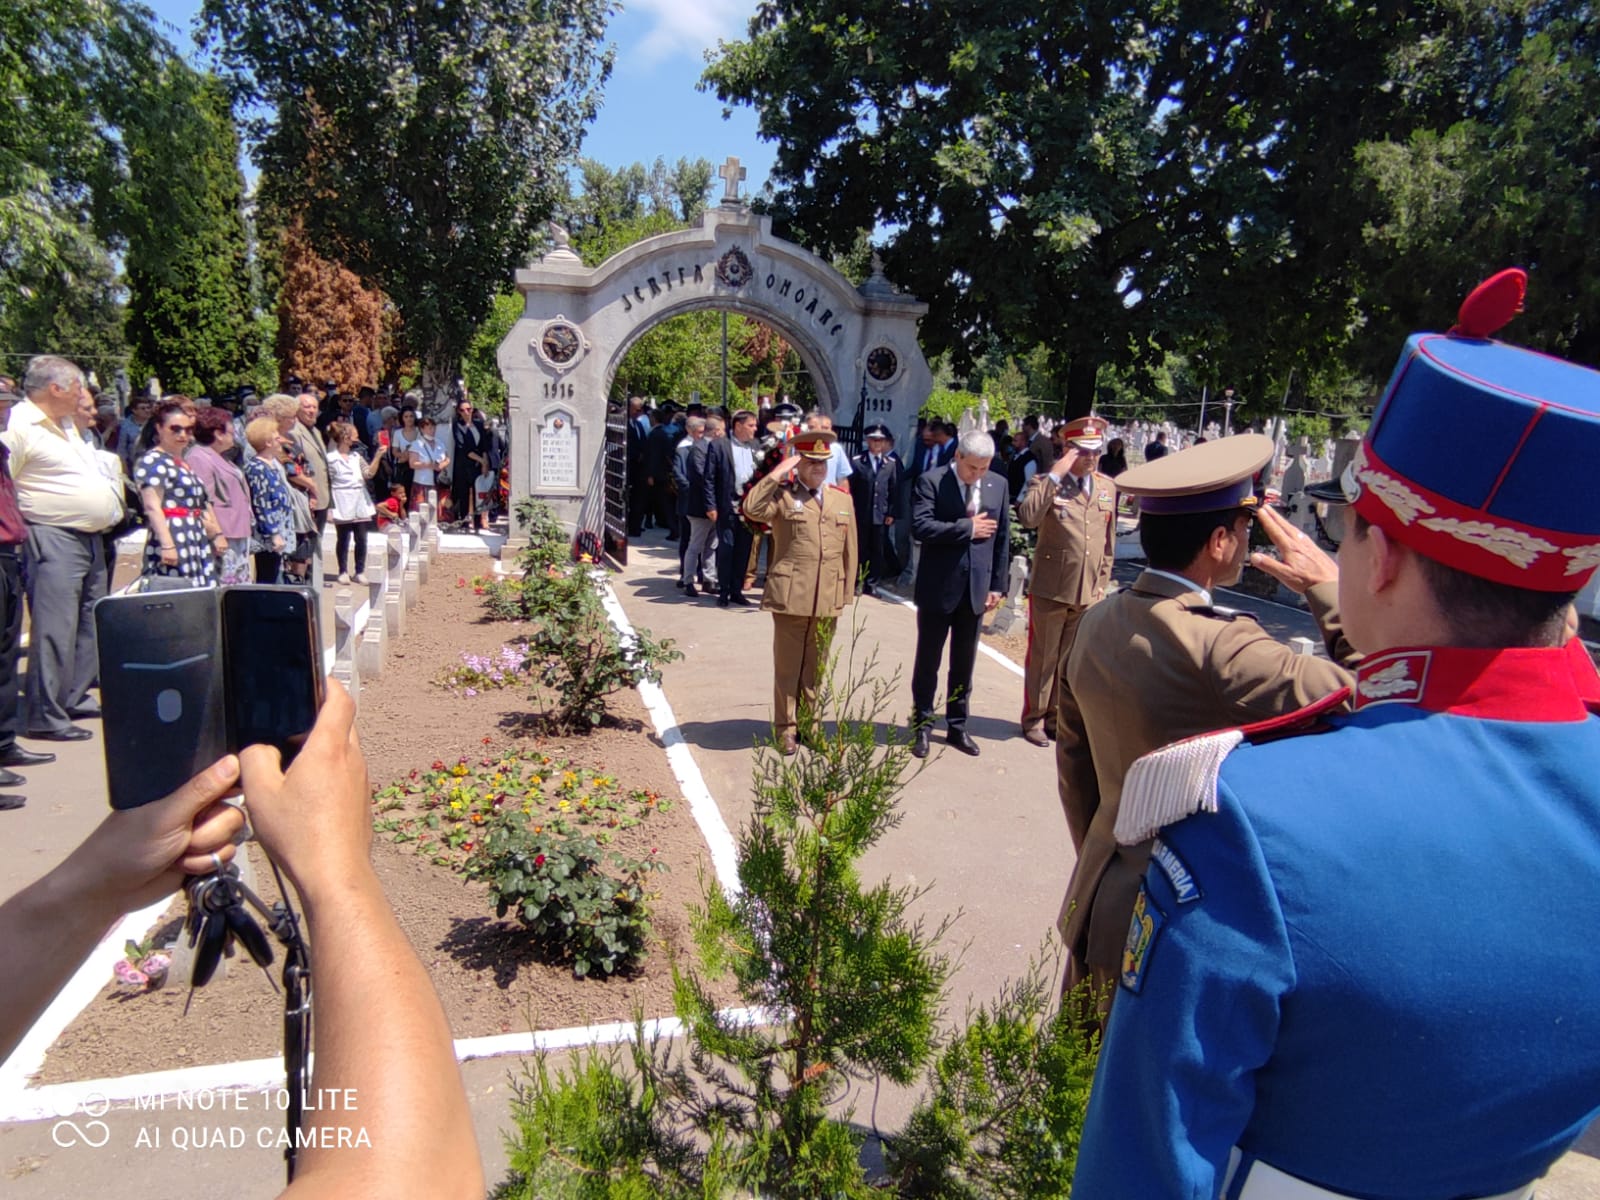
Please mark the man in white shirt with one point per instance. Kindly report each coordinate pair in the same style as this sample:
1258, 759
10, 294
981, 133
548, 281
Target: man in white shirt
68, 503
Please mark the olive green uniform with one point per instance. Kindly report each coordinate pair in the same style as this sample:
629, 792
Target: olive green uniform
1071, 568
1152, 665
811, 576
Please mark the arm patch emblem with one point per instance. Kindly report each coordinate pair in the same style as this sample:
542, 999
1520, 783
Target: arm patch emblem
1185, 888
1143, 930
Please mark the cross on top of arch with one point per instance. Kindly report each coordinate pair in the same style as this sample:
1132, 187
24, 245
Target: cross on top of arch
732, 176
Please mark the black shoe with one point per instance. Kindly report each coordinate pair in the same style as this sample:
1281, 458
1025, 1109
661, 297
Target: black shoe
12, 800
919, 744
722, 602
16, 756
741, 601
84, 714
690, 590
70, 734
11, 779
672, 537
869, 590
959, 739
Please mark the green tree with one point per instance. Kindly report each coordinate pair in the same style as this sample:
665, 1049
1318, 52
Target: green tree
1113, 182
1506, 176
480, 367
63, 65
75, 309
424, 145
178, 210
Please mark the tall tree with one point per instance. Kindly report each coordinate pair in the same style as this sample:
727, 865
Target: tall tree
1111, 180
330, 326
1507, 176
62, 64
192, 317
424, 145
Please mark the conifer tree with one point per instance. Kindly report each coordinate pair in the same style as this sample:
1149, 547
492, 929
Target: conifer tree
191, 313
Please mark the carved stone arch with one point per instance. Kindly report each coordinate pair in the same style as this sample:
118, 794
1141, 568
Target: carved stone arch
578, 322
811, 355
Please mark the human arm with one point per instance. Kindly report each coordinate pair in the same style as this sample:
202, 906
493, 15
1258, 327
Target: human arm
761, 501
381, 1037
156, 518
1175, 1088
1038, 497
1000, 559
1103, 576
1077, 784
133, 858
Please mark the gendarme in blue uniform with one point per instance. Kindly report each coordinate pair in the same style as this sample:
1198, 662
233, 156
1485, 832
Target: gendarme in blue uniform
1388, 991
1361, 960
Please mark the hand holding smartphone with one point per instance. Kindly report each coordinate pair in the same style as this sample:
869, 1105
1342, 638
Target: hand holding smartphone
188, 676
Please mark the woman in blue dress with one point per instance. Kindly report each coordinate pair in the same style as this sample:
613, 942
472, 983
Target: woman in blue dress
272, 530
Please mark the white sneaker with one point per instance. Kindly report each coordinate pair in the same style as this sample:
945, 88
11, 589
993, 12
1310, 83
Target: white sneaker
343, 578
361, 578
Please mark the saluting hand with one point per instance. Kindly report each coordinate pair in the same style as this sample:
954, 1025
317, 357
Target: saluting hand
1301, 563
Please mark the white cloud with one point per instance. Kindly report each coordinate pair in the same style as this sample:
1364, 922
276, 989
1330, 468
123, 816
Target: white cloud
688, 27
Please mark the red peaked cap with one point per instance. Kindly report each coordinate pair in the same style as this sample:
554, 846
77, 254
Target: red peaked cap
1491, 305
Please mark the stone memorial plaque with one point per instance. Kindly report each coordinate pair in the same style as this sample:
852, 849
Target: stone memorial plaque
558, 452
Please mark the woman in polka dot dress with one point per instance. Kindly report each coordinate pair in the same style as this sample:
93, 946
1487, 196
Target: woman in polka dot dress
184, 537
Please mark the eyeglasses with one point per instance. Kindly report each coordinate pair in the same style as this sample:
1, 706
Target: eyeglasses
185, 430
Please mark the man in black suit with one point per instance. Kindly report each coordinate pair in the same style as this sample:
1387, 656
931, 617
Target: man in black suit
877, 476
720, 497
960, 515
933, 449
658, 448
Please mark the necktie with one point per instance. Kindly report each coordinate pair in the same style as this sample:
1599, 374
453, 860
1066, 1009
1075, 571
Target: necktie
817, 496
927, 459
972, 499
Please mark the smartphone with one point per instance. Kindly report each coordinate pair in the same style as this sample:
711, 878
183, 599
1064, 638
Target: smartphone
272, 651
188, 676
161, 691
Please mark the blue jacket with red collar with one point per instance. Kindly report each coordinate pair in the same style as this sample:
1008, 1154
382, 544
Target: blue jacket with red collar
1371, 966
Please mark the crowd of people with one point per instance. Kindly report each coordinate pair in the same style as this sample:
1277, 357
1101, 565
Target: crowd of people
228, 491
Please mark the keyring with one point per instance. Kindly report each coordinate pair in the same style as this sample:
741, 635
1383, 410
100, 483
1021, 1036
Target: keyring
248, 830
216, 862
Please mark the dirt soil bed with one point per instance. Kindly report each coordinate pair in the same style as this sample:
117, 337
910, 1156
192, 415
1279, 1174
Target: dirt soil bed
483, 970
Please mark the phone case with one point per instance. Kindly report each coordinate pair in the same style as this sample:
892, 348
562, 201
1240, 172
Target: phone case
161, 691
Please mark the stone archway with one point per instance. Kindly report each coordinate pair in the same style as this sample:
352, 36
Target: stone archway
859, 344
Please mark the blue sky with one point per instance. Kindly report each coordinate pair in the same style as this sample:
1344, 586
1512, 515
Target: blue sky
651, 107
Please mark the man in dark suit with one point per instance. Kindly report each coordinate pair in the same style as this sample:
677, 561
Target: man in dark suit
638, 430
877, 476
960, 515
658, 448
933, 450
720, 496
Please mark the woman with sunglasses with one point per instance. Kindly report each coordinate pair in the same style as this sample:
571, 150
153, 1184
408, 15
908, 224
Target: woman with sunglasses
184, 538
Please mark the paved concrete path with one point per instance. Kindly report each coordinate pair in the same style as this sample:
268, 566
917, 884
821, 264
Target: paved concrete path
984, 835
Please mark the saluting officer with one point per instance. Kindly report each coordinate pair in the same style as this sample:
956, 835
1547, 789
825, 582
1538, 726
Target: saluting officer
812, 573
1074, 508
1163, 660
1360, 967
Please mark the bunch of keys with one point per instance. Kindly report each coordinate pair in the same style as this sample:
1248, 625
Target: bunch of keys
218, 917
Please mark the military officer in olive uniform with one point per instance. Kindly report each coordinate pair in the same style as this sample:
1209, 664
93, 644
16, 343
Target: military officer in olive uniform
1074, 508
1161, 661
812, 574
